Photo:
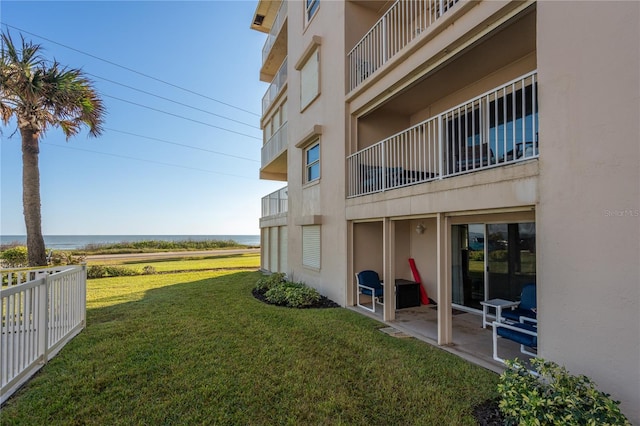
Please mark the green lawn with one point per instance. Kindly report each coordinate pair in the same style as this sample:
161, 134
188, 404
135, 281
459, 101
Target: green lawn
218, 261
197, 348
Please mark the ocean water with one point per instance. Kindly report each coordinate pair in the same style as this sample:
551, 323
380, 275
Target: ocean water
69, 242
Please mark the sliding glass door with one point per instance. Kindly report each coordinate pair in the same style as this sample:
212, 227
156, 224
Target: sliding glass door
511, 258
491, 261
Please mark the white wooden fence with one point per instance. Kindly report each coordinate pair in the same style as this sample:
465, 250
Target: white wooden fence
40, 311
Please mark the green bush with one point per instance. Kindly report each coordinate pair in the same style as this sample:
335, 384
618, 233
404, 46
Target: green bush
292, 294
477, 255
267, 282
302, 297
498, 255
149, 270
102, 271
15, 257
65, 258
553, 396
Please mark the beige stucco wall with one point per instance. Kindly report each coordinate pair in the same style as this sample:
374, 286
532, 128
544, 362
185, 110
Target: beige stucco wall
326, 197
589, 215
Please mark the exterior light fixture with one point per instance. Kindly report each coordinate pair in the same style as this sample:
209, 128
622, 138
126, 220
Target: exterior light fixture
420, 229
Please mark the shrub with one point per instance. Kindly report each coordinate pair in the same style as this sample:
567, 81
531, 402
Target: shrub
96, 271
292, 294
267, 282
553, 396
499, 255
302, 296
15, 257
476, 255
102, 271
65, 258
149, 270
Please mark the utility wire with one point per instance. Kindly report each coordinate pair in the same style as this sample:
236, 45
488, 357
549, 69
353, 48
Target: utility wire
131, 70
180, 116
171, 100
144, 160
179, 144
176, 102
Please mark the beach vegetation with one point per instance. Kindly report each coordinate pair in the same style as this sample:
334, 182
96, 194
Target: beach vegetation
151, 246
40, 94
14, 257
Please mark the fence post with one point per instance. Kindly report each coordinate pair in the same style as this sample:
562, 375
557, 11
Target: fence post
43, 320
83, 294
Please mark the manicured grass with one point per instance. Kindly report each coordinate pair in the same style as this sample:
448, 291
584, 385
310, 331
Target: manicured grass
197, 348
225, 261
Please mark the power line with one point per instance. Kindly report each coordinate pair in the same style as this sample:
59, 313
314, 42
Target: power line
144, 160
179, 144
171, 100
179, 103
180, 116
131, 70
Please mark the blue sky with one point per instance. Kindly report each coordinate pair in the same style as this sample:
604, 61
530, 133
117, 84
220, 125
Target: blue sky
124, 184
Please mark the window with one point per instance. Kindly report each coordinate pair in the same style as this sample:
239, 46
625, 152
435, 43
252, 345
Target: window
312, 163
311, 8
310, 79
500, 127
311, 246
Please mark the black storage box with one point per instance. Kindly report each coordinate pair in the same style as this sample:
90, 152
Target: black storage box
407, 294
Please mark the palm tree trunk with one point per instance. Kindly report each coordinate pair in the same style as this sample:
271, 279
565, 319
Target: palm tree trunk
31, 197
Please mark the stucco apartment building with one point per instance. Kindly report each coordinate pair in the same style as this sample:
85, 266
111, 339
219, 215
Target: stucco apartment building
495, 142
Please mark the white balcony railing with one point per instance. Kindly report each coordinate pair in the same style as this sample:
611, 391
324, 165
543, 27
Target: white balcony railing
275, 145
40, 311
275, 29
400, 25
275, 203
497, 128
274, 88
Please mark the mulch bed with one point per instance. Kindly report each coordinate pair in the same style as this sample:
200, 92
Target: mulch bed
321, 304
488, 413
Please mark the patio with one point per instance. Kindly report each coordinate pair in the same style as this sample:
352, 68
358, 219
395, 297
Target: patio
470, 340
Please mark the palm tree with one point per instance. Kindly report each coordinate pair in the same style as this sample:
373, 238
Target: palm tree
41, 94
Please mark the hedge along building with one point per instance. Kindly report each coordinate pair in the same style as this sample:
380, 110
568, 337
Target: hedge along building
506, 130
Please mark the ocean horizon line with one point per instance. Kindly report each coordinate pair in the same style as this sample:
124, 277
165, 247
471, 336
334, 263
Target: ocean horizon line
76, 241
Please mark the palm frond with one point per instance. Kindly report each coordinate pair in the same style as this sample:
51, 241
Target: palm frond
41, 95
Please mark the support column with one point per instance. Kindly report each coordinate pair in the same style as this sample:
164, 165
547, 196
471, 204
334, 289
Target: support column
389, 267
351, 283
445, 326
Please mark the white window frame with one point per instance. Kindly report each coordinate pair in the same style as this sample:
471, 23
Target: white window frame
310, 9
308, 166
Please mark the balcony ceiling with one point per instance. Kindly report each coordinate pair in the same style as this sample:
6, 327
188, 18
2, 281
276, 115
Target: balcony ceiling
267, 9
378, 6
506, 46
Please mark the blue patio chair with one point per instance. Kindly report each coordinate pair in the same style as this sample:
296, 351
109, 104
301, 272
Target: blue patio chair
527, 306
524, 332
369, 284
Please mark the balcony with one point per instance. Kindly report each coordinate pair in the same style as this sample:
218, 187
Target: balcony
497, 128
275, 203
276, 86
400, 25
274, 158
275, 47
